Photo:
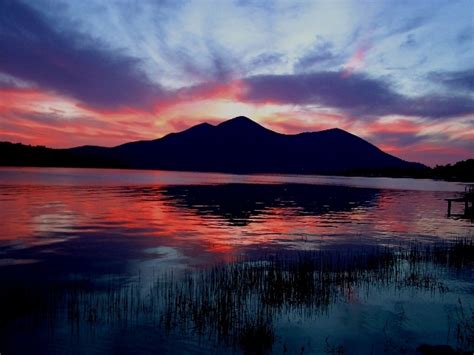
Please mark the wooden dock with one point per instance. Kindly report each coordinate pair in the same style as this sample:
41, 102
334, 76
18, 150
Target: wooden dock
467, 199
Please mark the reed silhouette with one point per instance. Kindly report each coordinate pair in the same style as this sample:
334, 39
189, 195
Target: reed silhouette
236, 303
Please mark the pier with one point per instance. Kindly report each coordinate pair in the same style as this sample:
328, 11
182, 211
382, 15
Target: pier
467, 198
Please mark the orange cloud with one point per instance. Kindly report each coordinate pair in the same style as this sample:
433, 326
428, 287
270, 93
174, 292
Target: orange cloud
400, 125
294, 122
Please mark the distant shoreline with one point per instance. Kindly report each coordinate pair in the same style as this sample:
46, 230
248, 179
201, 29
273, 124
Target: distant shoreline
418, 175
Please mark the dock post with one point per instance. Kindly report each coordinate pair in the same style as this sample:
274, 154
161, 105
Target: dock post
449, 208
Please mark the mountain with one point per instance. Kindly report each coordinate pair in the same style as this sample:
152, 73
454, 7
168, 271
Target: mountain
239, 145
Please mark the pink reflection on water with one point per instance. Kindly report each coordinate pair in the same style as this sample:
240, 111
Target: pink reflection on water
40, 214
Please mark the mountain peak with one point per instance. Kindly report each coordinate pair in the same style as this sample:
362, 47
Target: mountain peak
239, 122
200, 126
241, 119
336, 130
243, 126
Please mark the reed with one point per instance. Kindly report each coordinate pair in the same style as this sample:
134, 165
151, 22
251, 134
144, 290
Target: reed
237, 303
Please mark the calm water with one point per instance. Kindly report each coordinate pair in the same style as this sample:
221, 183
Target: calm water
112, 223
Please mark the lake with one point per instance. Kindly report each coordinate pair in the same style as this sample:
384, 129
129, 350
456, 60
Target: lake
126, 261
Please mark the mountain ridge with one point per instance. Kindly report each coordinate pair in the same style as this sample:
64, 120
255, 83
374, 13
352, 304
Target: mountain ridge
241, 145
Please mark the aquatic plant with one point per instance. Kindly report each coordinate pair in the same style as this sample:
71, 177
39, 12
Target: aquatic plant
238, 302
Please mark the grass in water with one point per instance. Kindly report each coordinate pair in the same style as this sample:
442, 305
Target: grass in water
237, 303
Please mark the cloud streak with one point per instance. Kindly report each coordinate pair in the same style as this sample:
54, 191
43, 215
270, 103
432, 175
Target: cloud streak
357, 94
69, 62
458, 80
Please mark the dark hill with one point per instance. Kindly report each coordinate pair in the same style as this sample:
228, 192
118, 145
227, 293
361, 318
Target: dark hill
241, 145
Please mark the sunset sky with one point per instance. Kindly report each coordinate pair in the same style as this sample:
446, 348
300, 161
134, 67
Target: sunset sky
397, 73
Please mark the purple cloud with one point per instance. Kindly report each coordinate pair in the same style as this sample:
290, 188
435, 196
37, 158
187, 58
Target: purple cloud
267, 59
356, 94
460, 80
68, 62
321, 53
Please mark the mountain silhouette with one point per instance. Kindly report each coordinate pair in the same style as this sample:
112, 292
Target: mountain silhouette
239, 145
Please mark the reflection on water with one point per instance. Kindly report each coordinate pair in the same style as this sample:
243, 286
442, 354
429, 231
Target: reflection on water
62, 222
203, 222
240, 204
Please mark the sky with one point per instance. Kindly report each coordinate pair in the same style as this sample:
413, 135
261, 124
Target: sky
399, 74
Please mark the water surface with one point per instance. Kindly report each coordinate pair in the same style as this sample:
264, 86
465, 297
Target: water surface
58, 223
